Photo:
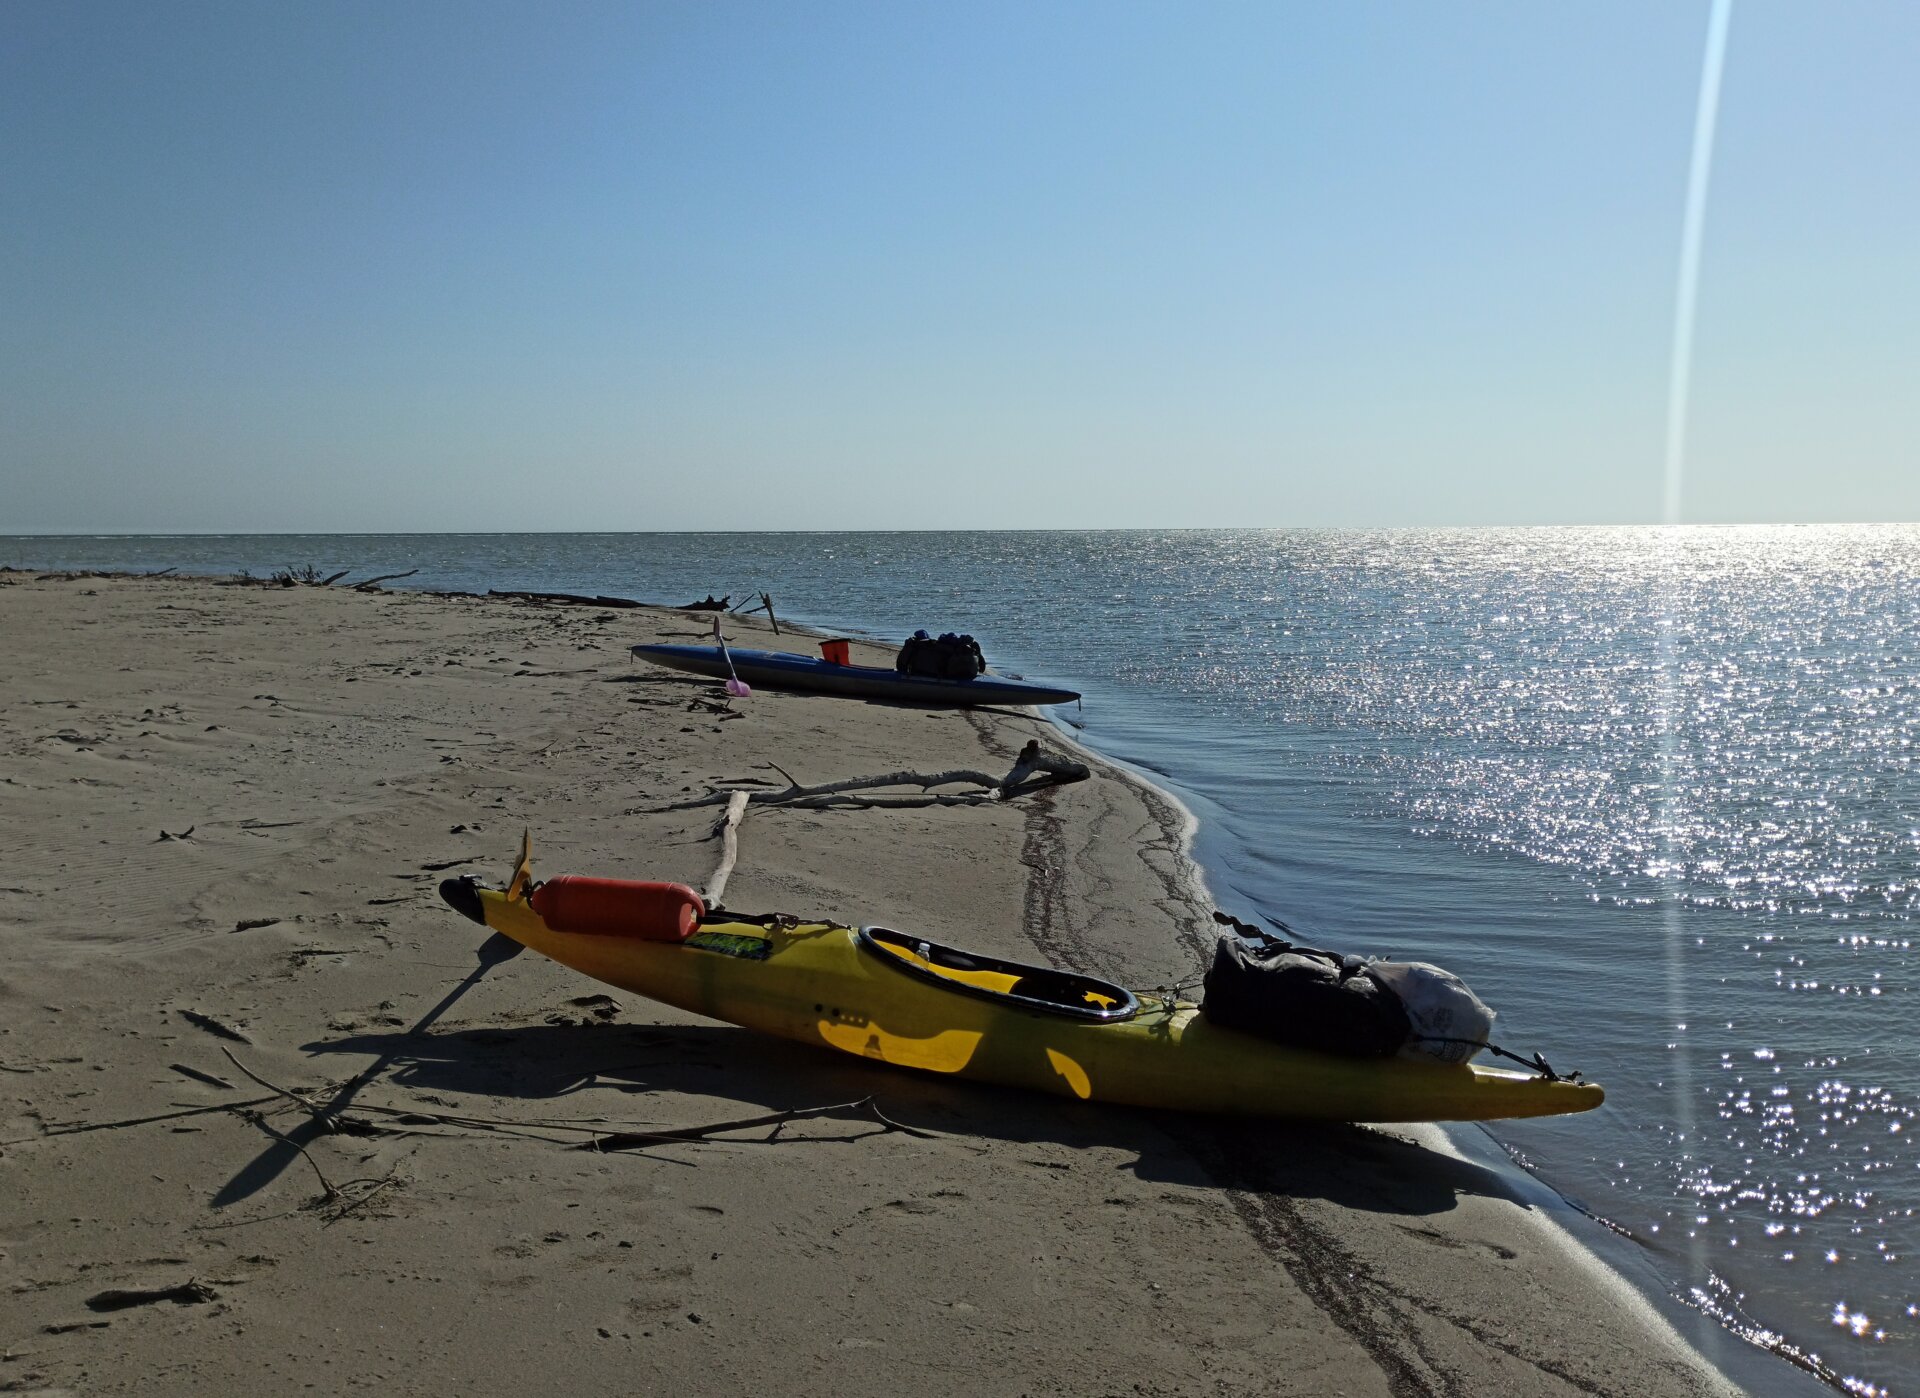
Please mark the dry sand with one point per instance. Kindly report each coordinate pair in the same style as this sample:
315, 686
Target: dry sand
237, 802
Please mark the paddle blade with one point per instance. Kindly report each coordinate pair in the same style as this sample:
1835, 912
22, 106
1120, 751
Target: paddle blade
738, 688
522, 868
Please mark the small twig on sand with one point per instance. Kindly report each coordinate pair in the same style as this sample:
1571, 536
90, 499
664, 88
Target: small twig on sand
628, 1140
79, 1128
409, 1117
373, 1187
313, 1109
208, 1078
187, 1293
214, 1027
327, 1192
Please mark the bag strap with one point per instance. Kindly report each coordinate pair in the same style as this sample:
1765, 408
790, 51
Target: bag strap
1348, 965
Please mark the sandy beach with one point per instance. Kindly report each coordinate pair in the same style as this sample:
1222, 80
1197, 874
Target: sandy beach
227, 810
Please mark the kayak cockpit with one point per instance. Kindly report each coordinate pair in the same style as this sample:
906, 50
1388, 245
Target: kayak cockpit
1039, 988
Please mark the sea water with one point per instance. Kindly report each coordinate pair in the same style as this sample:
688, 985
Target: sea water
1652, 792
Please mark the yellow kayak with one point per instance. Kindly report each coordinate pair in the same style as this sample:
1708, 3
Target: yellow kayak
909, 1002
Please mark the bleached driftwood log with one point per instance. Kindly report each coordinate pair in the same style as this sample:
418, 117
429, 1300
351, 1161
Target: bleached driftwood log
729, 832
1034, 770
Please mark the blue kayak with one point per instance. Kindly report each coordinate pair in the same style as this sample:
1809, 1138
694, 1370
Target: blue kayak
776, 669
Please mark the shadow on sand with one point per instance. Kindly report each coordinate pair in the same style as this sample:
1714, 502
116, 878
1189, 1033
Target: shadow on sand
1351, 1166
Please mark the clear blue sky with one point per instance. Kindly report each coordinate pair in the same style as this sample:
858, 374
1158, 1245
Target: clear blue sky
383, 266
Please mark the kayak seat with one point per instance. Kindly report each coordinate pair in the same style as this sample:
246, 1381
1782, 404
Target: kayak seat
1038, 988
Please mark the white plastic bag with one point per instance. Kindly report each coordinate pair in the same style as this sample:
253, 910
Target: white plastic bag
1449, 1021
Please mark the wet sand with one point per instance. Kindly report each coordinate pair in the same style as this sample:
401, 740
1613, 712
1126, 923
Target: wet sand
227, 810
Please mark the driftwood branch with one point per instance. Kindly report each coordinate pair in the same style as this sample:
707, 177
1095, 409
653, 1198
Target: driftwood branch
571, 598
765, 604
728, 829
1032, 761
1032, 771
371, 583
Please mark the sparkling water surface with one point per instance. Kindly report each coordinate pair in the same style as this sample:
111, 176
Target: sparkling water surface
1652, 792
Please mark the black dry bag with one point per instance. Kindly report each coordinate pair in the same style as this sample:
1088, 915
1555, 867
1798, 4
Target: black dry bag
1309, 1000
